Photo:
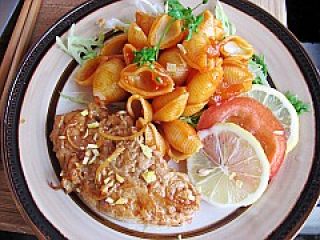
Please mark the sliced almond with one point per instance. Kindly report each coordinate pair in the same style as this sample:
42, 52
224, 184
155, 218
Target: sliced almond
109, 200
119, 178
84, 113
93, 125
121, 201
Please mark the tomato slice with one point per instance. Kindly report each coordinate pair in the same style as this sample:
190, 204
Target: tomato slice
255, 118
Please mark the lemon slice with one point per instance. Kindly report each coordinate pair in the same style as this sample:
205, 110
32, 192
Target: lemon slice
232, 169
281, 108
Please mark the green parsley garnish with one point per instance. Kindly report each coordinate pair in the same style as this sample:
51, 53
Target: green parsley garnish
259, 59
299, 105
192, 120
178, 12
190, 22
259, 68
145, 56
158, 79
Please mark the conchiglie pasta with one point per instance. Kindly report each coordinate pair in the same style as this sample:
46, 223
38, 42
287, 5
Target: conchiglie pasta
176, 155
105, 82
218, 30
207, 25
140, 109
235, 71
145, 81
159, 103
237, 78
154, 138
84, 76
192, 109
175, 65
199, 52
144, 21
115, 45
235, 46
181, 136
171, 38
128, 53
137, 37
170, 106
203, 85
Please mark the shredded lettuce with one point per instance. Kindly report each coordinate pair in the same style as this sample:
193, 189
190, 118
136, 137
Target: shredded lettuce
80, 48
229, 27
133, 6
149, 7
259, 68
115, 23
79, 99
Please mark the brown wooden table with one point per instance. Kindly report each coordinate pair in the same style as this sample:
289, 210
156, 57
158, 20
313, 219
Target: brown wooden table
51, 11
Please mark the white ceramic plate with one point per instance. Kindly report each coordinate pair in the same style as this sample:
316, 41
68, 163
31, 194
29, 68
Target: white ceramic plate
33, 100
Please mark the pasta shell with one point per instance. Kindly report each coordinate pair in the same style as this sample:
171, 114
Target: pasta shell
235, 72
181, 136
198, 52
128, 53
154, 138
144, 21
114, 45
194, 108
84, 75
203, 86
207, 25
236, 46
139, 108
175, 65
236, 79
105, 82
159, 103
218, 30
137, 37
171, 38
175, 103
145, 81
176, 155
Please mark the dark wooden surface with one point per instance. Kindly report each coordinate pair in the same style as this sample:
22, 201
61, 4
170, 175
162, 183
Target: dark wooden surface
10, 218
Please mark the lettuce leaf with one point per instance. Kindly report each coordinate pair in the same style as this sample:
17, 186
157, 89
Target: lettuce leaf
80, 48
229, 27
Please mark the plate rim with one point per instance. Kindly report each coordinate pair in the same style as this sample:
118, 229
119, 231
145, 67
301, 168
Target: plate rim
14, 99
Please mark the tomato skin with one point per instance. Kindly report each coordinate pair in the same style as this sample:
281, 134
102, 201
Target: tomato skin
255, 118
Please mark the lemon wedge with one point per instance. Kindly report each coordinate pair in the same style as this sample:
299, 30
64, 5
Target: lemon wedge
281, 108
232, 169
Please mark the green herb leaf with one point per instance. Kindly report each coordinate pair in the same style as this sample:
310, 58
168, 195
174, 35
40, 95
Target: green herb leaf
192, 120
175, 9
145, 56
190, 22
80, 48
259, 68
229, 27
299, 105
159, 80
192, 25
